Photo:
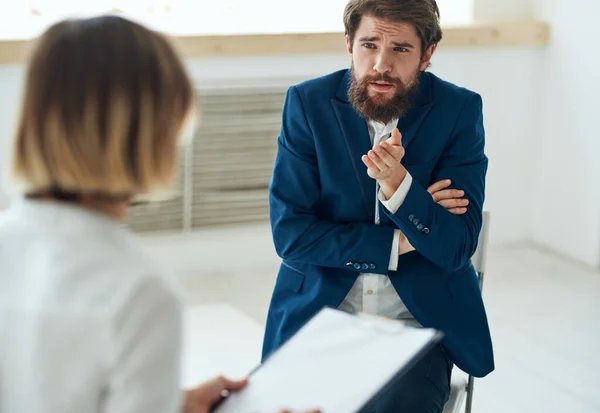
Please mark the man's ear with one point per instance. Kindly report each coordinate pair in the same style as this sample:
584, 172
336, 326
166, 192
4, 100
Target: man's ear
426, 61
349, 46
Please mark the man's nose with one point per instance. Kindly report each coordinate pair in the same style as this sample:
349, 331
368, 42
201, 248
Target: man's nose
383, 64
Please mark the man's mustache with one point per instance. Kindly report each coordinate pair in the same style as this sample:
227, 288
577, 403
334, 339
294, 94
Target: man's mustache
382, 78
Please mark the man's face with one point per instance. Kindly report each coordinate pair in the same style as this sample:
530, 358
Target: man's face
386, 62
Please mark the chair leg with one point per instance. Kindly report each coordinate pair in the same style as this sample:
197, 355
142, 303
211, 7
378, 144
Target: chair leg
480, 275
471, 382
469, 403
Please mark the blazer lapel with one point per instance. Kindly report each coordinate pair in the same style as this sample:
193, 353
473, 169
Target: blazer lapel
358, 144
410, 123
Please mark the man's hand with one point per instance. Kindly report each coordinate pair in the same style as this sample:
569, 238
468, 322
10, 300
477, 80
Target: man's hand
451, 199
203, 398
384, 164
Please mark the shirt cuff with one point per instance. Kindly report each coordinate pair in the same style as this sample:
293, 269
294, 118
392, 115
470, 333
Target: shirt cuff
395, 202
395, 249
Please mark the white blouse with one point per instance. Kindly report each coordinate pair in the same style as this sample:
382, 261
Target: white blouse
88, 322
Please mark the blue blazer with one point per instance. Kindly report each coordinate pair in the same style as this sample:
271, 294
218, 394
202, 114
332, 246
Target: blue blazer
322, 207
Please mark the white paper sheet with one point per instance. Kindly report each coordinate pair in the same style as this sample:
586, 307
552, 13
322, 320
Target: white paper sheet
337, 362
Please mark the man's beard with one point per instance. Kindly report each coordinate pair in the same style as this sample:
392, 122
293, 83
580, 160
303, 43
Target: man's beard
386, 110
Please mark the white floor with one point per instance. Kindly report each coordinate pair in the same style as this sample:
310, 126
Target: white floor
544, 313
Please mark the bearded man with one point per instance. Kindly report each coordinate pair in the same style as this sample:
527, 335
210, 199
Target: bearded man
376, 199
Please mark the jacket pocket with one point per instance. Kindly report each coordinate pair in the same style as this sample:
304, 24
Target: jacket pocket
290, 278
464, 286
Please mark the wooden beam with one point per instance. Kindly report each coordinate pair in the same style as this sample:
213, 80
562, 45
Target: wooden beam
521, 33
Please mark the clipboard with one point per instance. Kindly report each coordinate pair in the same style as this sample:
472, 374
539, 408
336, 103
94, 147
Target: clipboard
337, 362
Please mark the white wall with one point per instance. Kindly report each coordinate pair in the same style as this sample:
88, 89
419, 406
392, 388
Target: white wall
501, 10
508, 98
565, 203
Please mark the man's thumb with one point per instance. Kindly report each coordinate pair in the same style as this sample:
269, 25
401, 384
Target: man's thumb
396, 138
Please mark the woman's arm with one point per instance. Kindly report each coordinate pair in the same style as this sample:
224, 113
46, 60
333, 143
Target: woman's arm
145, 362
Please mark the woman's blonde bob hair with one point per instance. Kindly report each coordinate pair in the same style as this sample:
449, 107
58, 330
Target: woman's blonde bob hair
105, 100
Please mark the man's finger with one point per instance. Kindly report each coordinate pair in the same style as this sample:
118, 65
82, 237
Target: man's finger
369, 163
385, 156
397, 152
396, 138
458, 211
438, 186
454, 203
447, 194
377, 160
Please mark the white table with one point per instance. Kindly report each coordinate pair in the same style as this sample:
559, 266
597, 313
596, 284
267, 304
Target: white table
219, 340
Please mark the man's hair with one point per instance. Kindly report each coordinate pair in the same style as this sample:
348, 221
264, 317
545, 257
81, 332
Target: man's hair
424, 15
104, 101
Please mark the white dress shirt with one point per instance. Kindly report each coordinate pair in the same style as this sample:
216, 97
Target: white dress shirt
374, 293
88, 322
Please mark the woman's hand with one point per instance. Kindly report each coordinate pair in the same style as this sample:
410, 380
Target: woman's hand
204, 397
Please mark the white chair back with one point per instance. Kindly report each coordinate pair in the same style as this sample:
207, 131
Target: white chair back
480, 257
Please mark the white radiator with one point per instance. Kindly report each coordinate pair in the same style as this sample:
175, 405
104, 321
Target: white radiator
224, 174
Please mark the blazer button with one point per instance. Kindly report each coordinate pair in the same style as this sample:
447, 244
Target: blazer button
420, 227
372, 266
365, 266
411, 217
416, 221
425, 230
357, 266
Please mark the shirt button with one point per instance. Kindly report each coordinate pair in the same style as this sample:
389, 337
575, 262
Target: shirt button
370, 292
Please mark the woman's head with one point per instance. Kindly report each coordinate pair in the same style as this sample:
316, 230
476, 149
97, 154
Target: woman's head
105, 101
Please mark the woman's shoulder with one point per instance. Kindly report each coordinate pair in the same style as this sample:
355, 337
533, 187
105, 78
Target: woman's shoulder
122, 271
83, 261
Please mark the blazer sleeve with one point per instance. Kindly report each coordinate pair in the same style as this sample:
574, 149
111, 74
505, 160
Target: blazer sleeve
446, 239
294, 194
